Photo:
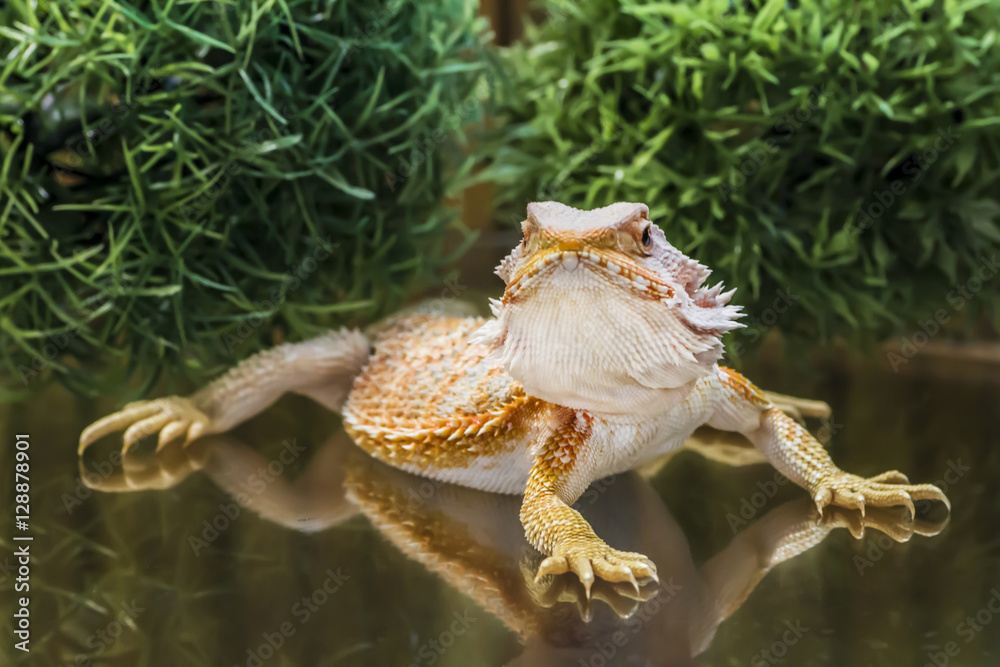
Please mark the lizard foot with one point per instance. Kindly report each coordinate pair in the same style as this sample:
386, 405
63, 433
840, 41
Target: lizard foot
590, 558
171, 417
886, 490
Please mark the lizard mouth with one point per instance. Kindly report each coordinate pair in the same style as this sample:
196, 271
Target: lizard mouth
616, 268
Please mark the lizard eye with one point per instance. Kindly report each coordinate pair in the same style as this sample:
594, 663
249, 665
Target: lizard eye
647, 239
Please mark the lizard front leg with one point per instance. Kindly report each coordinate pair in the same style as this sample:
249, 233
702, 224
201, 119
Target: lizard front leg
322, 368
801, 458
562, 470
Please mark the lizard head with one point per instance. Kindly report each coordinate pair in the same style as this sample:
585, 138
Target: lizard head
599, 309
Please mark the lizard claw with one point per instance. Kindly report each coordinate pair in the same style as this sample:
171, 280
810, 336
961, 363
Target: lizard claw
886, 490
552, 565
170, 417
822, 498
591, 560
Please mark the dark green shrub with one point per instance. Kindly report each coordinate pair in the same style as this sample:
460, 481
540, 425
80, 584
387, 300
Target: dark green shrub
183, 185
844, 154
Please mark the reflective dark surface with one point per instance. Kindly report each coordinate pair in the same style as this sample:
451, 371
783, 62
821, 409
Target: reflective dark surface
284, 545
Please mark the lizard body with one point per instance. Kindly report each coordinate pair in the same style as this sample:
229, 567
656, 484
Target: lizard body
601, 355
433, 403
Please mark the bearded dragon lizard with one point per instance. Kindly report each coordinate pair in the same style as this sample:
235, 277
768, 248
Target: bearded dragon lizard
602, 355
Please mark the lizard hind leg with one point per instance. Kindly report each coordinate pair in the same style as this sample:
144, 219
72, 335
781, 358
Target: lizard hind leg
322, 368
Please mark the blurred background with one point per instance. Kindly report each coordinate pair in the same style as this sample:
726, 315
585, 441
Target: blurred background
184, 184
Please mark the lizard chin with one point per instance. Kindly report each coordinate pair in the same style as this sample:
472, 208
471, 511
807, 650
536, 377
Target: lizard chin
579, 330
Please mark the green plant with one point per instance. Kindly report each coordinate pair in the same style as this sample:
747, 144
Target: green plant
184, 182
842, 153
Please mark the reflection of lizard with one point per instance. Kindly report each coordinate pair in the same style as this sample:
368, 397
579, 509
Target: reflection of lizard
474, 542
601, 357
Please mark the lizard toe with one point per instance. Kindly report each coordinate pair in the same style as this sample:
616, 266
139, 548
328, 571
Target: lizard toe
552, 565
115, 422
890, 477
